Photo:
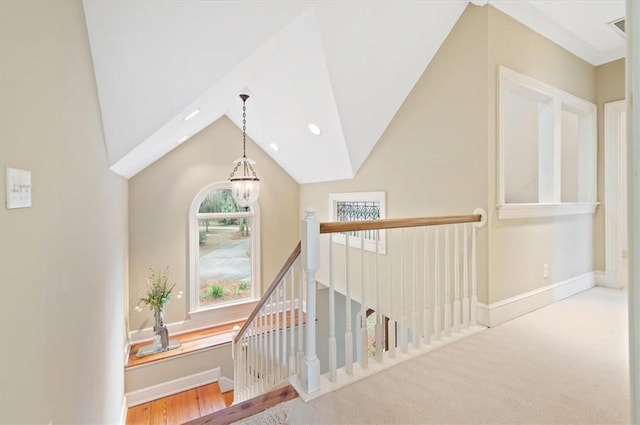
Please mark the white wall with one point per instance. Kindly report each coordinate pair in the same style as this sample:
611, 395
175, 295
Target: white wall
64, 260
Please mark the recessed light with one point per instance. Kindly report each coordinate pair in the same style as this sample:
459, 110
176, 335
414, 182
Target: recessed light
183, 139
191, 115
314, 129
274, 147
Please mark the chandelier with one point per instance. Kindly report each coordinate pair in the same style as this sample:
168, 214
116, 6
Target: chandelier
245, 188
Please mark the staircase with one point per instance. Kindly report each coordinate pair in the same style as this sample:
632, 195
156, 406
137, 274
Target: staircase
417, 276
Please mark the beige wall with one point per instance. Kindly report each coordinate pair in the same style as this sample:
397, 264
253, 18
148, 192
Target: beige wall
609, 88
519, 248
64, 260
159, 201
146, 376
431, 158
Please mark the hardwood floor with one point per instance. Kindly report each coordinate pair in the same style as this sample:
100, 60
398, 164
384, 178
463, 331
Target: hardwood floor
180, 408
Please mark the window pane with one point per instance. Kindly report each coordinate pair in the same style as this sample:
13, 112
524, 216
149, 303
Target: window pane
521, 134
225, 260
219, 201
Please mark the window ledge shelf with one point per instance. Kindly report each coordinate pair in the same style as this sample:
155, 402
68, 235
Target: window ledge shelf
510, 211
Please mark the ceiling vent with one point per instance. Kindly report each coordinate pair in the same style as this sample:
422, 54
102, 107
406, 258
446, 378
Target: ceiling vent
618, 26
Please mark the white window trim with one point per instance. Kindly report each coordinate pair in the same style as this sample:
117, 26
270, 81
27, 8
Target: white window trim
229, 312
354, 242
522, 84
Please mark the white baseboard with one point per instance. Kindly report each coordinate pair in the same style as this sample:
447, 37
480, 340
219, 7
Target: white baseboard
172, 387
510, 308
600, 278
123, 411
226, 384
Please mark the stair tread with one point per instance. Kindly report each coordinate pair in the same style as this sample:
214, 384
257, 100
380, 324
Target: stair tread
181, 407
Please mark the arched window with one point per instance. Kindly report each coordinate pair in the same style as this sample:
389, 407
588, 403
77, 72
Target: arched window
224, 250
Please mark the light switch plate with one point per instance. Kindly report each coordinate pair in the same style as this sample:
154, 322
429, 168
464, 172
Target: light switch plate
18, 188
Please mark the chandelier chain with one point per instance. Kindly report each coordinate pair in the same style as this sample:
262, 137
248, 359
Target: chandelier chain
244, 128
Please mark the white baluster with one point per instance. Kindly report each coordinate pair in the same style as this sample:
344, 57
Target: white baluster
277, 358
235, 357
271, 351
261, 349
427, 312
403, 314
348, 335
301, 325
415, 332
283, 312
379, 317
391, 343
474, 283
292, 319
392, 326
465, 280
333, 351
252, 360
456, 282
447, 285
436, 286
364, 338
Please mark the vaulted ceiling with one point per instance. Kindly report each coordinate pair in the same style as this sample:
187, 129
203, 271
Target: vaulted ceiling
346, 66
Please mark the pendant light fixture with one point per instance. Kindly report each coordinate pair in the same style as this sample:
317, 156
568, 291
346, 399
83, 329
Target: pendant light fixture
245, 188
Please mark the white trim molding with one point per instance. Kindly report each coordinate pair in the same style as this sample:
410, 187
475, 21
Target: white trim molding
540, 190
545, 210
614, 193
123, 411
510, 308
226, 384
155, 392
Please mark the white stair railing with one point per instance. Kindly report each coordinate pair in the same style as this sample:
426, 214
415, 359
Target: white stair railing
422, 290
267, 349
421, 287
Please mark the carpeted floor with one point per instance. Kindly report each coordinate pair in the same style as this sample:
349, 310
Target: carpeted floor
563, 364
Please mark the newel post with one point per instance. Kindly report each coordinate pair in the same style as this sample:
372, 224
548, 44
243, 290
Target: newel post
310, 234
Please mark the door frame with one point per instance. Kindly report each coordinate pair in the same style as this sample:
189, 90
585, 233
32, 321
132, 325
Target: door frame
614, 225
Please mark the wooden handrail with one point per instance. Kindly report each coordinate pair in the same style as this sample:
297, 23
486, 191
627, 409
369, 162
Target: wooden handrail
263, 300
395, 223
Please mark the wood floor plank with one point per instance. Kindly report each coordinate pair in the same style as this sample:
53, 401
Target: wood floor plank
247, 408
184, 406
159, 412
211, 396
228, 398
193, 406
206, 403
139, 415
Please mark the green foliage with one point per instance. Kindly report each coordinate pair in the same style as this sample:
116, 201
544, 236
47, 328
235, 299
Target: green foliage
216, 291
219, 201
158, 289
241, 287
203, 238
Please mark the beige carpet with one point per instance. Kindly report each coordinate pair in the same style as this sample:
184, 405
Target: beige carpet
563, 364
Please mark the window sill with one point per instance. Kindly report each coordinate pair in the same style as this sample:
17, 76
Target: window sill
190, 342
223, 313
511, 211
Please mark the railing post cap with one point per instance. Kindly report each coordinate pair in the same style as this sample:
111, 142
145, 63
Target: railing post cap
309, 213
483, 217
